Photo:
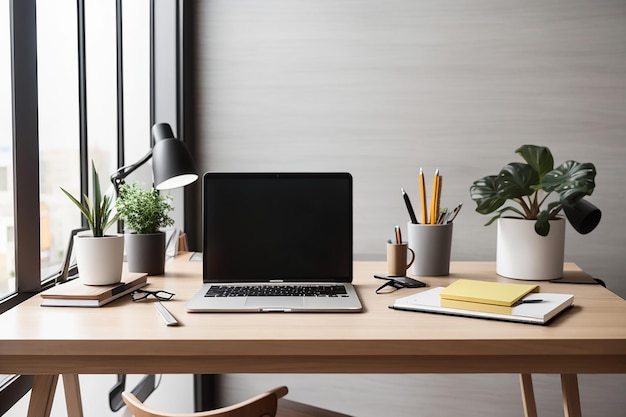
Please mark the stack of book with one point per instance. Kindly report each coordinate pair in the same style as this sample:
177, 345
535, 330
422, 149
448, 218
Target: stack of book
76, 294
491, 300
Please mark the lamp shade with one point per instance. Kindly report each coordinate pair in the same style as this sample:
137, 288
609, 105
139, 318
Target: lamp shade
172, 165
583, 216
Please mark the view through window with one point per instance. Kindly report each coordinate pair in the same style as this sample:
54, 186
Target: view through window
59, 106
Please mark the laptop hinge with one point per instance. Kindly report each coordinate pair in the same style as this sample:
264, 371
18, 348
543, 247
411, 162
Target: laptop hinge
276, 280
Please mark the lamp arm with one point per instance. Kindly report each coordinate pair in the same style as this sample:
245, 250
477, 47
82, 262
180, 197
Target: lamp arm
117, 178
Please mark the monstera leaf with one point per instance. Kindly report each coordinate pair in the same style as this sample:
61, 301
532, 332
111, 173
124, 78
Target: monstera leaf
572, 180
490, 195
485, 193
516, 180
538, 157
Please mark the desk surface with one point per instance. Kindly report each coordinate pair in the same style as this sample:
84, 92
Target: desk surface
126, 337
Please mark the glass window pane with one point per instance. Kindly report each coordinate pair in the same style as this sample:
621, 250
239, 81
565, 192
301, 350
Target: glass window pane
7, 245
59, 162
101, 62
136, 20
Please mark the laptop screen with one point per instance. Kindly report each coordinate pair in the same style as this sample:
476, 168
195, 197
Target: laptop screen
260, 227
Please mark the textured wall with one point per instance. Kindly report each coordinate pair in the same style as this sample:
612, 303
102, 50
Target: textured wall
382, 88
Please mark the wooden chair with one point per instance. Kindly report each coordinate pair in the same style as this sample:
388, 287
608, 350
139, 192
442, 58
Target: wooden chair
264, 405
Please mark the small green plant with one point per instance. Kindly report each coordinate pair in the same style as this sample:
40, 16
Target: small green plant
143, 211
99, 211
530, 184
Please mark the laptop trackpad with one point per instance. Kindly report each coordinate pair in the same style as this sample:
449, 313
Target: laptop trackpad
274, 301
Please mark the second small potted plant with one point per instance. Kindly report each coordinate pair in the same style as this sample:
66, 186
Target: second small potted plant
144, 213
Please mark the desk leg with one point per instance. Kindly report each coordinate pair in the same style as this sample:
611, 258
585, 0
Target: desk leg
42, 395
571, 398
528, 395
72, 395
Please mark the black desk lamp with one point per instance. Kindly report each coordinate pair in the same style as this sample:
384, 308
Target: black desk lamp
172, 165
583, 216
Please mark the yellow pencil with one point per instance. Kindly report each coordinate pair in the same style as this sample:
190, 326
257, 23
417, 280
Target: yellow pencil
424, 218
434, 202
438, 202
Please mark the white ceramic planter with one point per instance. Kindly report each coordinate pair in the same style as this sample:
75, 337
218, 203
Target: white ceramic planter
99, 259
523, 254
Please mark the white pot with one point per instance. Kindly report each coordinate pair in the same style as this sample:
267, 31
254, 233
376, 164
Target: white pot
523, 254
99, 259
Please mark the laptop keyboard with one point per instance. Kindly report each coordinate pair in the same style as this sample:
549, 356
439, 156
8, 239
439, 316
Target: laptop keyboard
289, 290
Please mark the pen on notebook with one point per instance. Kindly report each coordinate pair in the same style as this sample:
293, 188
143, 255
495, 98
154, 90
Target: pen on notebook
423, 198
409, 206
530, 301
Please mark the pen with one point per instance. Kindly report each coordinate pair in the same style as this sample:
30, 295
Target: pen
454, 213
442, 215
531, 301
165, 315
409, 206
398, 235
423, 197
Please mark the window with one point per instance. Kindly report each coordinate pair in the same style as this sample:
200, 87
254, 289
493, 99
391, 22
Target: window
57, 150
58, 99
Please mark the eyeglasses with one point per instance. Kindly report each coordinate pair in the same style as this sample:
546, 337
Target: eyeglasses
396, 283
160, 295
393, 286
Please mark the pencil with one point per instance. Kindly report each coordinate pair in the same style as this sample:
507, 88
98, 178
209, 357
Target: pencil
423, 197
434, 202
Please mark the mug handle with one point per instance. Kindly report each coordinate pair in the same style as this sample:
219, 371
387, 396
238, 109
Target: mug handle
412, 257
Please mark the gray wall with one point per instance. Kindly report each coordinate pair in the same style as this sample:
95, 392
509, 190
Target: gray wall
382, 88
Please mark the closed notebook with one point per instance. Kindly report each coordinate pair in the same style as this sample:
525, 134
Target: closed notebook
496, 293
75, 293
539, 312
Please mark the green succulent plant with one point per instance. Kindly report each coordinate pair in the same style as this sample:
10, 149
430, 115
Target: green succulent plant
99, 210
143, 211
530, 185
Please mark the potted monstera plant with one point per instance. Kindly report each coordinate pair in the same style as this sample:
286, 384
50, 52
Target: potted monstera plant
531, 237
144, 212
99, 256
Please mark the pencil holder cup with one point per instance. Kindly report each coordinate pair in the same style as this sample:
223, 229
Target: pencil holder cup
432, 244
397, 254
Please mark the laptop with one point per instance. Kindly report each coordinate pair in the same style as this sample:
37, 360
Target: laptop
276, 242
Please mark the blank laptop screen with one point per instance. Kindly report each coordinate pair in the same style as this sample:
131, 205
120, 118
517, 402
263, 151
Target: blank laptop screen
277, 226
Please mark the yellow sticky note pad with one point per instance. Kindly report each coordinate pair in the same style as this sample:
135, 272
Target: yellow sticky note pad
497, 293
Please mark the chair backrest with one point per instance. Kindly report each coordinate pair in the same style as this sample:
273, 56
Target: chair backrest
263, 405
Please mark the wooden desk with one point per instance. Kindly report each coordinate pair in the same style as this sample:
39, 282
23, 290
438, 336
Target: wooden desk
126, 337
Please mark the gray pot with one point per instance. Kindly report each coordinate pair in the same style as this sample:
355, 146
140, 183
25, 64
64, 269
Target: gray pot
146, 252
